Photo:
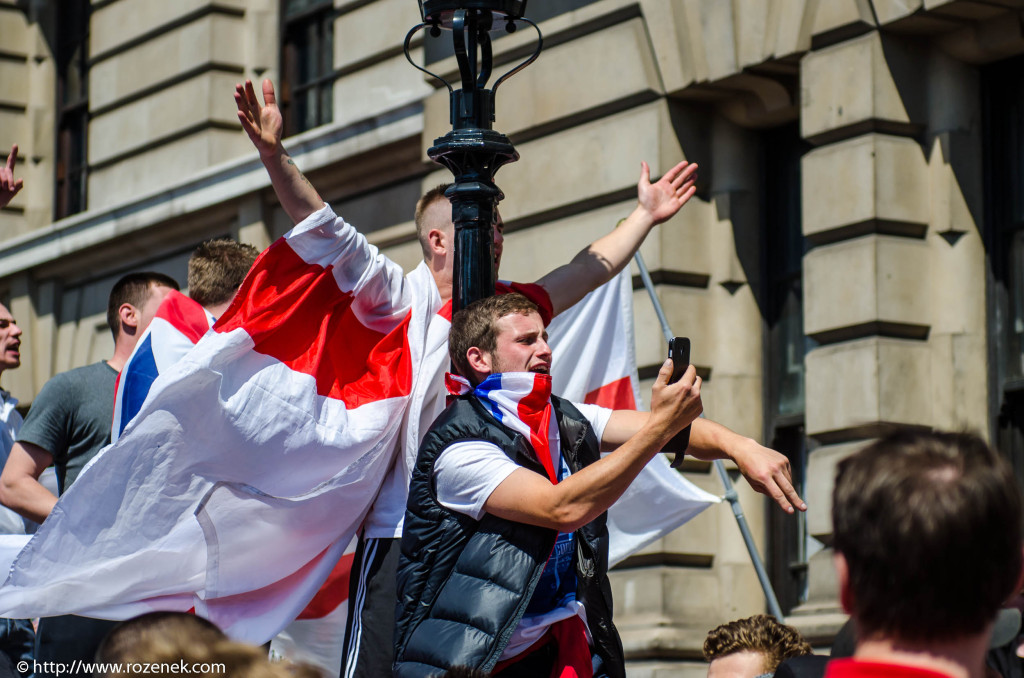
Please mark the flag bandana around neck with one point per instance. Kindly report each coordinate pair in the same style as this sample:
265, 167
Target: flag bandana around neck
521, 401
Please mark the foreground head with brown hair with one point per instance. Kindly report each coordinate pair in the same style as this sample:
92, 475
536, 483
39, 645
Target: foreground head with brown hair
755, 646
927, 531
180, 644
124, 640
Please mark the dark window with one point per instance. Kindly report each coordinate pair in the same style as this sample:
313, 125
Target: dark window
72, 60
785, 345
307, 64
1003, 104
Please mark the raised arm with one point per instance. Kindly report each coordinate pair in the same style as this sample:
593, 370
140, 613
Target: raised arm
605, 257
9, 186
766, 470
20, 489
527, 497
264, 125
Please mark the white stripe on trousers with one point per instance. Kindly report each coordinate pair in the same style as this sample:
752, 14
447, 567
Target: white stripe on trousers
356, 610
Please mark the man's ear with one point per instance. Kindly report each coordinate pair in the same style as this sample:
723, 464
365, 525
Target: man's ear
843, 576
129, 316
438, 241
479, 360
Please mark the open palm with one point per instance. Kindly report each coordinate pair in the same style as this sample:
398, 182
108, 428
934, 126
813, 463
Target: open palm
666, 196
263, 123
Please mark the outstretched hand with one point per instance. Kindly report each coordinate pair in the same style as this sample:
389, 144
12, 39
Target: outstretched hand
666, 196
9, 186
769, 473
263, 124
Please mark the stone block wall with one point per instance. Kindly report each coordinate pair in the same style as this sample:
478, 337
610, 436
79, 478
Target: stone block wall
897, 307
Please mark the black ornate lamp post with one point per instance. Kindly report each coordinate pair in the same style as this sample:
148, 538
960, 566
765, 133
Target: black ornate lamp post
473, 151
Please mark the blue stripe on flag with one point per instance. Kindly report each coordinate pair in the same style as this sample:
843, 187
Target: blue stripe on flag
138, 377
483, 392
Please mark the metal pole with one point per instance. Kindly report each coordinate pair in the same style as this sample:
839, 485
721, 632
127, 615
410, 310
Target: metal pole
473, 151
730, 492
649, 285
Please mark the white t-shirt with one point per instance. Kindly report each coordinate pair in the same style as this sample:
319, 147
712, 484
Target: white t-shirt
465, 475
429, 398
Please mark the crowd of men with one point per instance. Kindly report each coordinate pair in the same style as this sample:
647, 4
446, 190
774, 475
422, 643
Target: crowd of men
490, 530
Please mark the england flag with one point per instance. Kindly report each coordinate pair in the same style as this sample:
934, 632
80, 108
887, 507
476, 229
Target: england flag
242, 480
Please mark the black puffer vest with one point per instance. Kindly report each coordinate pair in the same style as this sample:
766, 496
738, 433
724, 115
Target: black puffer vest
463, 584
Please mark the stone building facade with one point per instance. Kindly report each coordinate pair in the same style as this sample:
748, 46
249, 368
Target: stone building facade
853, 260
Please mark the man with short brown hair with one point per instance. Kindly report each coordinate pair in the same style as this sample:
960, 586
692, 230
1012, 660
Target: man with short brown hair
10, 419
70, 418
17, 636
216, 270
927, 535
505, 550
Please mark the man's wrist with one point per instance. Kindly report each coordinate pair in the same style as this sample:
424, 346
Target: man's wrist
275, 155
658, 432
740, 450
642, 217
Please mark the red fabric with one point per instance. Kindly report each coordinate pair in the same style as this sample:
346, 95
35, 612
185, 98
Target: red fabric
295, 312
187, 316
855, 668
333, 593
573, 660
573, 650
617, 395
532, 291
535, 411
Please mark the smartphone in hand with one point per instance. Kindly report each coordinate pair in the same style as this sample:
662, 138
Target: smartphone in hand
679, 352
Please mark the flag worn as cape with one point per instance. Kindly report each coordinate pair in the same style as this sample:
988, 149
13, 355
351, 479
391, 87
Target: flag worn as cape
316, 636
252, 463
239, 485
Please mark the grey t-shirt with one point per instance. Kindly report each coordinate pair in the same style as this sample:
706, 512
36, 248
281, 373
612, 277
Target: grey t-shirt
71, 417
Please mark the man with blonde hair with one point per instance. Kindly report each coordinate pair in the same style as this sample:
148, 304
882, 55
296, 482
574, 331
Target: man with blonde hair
216, 270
